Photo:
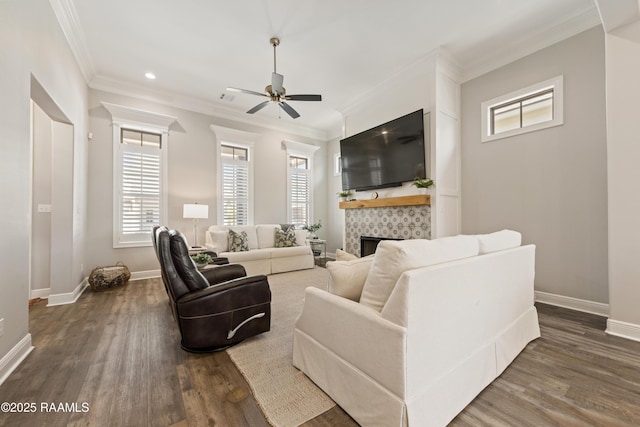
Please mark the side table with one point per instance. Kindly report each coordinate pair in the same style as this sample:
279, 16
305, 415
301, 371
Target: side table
319, 249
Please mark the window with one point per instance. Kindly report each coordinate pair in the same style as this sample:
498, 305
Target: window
139, 173
299, 182
235, 184
139, 201
299, 190
533, 108
235, 175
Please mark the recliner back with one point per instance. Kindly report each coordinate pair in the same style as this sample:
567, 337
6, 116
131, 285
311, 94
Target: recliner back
191, 277
176, 287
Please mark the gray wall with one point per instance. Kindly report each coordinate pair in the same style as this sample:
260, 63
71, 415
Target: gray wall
36, 49
192, 176
550, 185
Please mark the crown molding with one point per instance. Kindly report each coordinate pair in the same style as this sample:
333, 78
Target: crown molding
200, 106
519, 48
67, 17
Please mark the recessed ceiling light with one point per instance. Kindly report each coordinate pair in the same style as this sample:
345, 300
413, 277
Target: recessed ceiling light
150, 76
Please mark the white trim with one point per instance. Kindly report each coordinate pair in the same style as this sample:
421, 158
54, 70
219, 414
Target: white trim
558, 109
39, 293
67, 17
144, 121
142, 275
69, 297
14, 357
626, 330
239, 139
577, 304
299, 149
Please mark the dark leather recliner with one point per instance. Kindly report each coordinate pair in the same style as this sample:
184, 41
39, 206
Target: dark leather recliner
216, 307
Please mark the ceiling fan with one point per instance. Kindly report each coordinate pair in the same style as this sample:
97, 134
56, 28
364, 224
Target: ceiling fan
275, 91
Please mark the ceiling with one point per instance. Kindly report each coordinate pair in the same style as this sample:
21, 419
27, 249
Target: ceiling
340, 49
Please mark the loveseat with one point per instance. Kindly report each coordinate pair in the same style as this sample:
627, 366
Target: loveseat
412, 338
261, 255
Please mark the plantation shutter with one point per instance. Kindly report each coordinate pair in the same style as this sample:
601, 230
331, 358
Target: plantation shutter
299, 189
140, 198
235, 192
140, 188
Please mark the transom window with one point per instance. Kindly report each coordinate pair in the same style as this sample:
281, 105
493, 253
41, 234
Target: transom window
533, 108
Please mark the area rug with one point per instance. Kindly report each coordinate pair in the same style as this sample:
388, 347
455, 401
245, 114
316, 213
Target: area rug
286, 396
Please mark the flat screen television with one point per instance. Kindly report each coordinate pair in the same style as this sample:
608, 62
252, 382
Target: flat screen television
384, 156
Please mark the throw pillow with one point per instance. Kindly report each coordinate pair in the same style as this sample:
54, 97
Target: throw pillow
344, 256
238, 242
346, 278
287, 227
285, 239
392, 258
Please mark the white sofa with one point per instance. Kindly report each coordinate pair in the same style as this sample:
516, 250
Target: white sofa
436, 323
262, 257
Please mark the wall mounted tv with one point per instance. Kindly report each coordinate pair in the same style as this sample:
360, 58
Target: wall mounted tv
384, 156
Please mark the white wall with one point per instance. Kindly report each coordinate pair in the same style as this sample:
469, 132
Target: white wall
192, 176
551, 185
36, 47
623, 158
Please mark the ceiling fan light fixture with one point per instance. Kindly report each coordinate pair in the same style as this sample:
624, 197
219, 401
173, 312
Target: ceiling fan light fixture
276, 91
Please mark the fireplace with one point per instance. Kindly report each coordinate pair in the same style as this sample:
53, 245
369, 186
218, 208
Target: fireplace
369, 244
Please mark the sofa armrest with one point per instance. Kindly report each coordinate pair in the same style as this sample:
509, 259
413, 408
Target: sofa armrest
223, 273
356, 334
225, 296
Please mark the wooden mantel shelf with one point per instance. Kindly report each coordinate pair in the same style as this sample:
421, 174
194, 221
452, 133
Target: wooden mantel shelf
419, 199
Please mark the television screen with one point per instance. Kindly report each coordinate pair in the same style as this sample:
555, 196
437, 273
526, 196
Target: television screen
384, 156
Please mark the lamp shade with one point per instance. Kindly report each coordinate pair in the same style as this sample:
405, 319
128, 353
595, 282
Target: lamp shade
195, 211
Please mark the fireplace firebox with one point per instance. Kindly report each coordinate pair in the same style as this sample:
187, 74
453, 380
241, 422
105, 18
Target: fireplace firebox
369, 244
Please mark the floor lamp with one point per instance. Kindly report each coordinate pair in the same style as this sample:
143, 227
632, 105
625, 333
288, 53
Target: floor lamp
195, 212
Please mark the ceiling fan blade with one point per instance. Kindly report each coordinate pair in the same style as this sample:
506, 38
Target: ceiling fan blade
303, 97
289, 110
258, 107
276, 82
249, 92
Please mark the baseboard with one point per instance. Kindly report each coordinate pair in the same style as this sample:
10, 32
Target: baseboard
572, 303
14, 357
40, 293
626, 330
141, 275
69, 297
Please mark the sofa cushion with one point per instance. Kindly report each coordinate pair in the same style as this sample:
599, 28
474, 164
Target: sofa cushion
392, 258
291, 251
301, 237
220, 240
499, 241
253, 255
238, 241
266, 235
285, 239
345, 256
346, 278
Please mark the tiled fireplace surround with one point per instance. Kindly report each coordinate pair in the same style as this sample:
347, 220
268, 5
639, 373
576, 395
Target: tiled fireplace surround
403, 222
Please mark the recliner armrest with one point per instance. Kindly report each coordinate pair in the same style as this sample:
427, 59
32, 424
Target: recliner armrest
226, 296
223, 273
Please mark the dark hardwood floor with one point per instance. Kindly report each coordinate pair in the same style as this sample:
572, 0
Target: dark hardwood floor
117, 353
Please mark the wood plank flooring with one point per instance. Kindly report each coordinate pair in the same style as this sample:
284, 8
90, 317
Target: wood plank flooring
119, 352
